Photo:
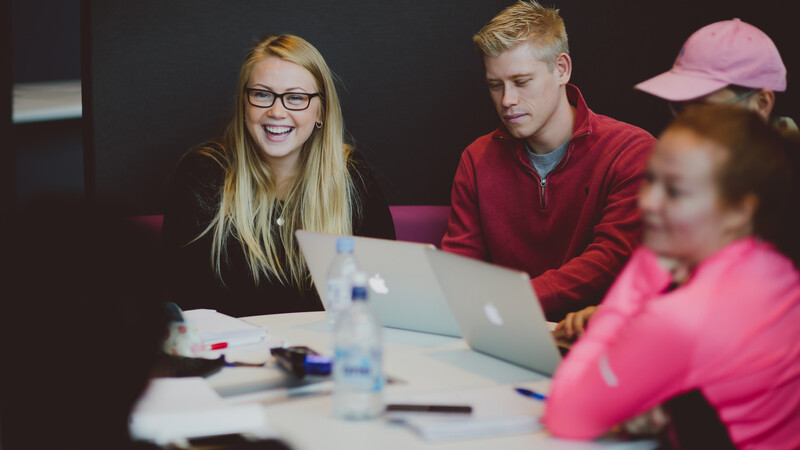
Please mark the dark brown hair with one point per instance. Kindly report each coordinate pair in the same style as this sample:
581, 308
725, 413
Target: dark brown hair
760, 160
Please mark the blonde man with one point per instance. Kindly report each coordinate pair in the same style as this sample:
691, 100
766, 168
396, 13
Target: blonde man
553, 190
281, 165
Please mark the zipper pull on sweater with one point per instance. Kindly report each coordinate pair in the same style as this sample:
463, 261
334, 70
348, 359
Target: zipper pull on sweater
543, 184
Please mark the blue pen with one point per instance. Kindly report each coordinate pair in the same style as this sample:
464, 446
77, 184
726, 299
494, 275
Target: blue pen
530, 393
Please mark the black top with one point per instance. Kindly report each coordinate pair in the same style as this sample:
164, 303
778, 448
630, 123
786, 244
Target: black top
694, 424
190, 277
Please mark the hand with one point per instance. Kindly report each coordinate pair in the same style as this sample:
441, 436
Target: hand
574, 324
648, 423
677, 268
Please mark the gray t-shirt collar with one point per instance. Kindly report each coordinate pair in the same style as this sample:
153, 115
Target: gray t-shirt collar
544, 164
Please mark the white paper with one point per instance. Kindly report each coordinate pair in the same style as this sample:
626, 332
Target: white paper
496, 410
215, 327
180, 408
443, 429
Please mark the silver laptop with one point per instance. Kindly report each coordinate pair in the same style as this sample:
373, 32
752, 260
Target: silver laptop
403, 289
497, 311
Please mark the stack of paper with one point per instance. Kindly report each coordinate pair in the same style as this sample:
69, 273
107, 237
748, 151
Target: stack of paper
172, 409
218, 328
496, 410
442, 429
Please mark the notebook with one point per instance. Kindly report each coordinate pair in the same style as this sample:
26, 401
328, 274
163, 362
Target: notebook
497, 311
217, 328
402, 287
497, 410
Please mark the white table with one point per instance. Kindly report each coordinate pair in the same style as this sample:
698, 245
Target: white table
424, 362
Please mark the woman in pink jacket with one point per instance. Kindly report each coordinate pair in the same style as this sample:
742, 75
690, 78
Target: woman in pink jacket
709, 308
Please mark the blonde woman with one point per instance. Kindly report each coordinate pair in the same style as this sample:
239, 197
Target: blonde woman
281, 165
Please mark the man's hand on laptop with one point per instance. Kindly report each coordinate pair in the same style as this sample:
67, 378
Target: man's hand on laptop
573, 325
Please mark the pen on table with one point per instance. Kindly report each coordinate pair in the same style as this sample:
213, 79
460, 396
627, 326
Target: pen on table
420, 408
530, 393
235, 343
244, 364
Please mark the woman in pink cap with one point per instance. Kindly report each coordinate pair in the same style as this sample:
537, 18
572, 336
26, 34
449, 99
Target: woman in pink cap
725, 62
704, 317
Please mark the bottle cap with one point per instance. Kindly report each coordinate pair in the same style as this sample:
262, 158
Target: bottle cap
317, 364
345, 244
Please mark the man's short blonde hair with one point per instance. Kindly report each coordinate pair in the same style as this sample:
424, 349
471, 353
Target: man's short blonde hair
524, 21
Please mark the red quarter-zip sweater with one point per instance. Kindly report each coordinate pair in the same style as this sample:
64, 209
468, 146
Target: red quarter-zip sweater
572, 233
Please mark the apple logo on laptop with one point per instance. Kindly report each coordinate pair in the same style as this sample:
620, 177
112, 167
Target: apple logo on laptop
493, 314
378, 284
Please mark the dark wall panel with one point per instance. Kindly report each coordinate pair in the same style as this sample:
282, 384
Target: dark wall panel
7, 161
46, 37
49, 160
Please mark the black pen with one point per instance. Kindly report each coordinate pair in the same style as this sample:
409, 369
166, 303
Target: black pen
409, 408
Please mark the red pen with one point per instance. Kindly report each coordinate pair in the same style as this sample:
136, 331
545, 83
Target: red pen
218, 346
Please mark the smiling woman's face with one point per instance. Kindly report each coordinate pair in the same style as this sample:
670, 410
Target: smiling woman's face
683, 215
279, 132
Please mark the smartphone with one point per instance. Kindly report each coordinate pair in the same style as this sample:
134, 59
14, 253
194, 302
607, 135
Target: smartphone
301, 361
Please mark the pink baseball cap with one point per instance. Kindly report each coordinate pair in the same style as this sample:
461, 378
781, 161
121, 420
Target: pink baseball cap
718, 55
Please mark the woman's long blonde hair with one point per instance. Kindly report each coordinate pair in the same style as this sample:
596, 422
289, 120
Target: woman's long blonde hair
320, 198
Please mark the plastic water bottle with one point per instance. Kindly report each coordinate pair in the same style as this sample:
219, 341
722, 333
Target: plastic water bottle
339, 284
358, 358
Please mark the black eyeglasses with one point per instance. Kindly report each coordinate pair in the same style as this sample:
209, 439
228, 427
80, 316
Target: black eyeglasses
293, 101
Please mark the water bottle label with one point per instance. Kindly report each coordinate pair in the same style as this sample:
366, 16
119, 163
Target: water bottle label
338, 290
359, 370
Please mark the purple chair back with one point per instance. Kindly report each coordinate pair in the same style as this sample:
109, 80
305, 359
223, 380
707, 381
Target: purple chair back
416, 223
420, 223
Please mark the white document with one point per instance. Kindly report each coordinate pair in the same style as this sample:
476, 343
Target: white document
496, 410
171, 409
215, 327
